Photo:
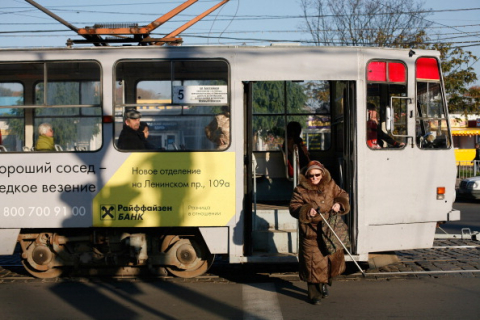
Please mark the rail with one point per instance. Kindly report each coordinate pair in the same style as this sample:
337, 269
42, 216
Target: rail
296, 166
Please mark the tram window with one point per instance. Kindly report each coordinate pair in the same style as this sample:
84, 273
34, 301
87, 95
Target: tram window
268, 133
387, 85
11, 94
200, 71
276, 103
431, 121
79, 88
177, 99
379, 97
67, 93
340, 93
155, 92
70, 102
11, 119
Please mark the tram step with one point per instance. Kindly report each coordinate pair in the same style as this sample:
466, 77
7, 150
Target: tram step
275, 241
277, 219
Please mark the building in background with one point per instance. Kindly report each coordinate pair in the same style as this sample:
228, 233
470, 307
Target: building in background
465, 132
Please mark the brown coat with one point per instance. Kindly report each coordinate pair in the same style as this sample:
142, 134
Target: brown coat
316, 264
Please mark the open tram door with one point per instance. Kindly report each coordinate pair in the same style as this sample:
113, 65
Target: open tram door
326, 111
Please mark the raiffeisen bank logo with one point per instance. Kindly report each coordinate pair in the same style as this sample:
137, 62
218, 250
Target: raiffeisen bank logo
108, 212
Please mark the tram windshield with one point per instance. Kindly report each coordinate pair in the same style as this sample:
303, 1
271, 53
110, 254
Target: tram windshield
431, 126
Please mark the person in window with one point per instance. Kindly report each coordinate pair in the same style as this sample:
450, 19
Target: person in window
146, 132
294, 131
131, 138
429, 141
376, 137
372, 127
321, 256
45, 140
218, 130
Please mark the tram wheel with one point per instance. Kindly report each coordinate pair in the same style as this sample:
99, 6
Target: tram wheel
39, 260
49, 273
193, 256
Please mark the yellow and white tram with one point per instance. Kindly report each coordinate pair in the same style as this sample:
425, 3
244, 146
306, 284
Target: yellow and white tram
90, 203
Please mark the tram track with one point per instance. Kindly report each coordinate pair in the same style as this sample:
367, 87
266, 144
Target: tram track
445, 258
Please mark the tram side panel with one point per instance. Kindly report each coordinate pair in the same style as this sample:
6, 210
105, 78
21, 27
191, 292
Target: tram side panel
118, 190
57, 192
77, 205
399, 209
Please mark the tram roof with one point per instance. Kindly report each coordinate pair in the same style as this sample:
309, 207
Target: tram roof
264, 47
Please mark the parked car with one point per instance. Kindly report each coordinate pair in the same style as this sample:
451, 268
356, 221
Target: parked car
469, 188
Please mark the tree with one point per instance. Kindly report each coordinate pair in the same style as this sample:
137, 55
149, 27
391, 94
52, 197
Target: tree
271, 101
458, 74
363, 22
473, 95
457, 71
390, 23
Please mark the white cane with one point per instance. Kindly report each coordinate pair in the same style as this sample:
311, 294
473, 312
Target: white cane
351, 257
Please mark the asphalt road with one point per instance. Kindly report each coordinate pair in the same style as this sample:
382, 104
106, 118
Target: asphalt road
428, 298
470, 217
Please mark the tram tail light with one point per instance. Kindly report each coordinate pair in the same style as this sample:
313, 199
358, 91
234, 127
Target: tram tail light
440, 193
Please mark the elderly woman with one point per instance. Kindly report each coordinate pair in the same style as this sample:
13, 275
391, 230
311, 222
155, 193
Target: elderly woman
321, 256
45, 140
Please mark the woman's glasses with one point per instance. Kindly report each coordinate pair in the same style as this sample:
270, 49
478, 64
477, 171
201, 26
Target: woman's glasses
310, 176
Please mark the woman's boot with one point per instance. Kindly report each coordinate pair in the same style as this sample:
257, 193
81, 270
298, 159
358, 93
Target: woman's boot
324, 290
314, 293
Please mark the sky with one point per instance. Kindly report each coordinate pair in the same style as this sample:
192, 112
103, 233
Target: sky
238, 22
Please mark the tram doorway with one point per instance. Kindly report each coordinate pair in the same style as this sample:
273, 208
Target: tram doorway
326, 111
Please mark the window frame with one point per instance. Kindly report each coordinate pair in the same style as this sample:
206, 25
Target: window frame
183, 115
30, 107
394, 142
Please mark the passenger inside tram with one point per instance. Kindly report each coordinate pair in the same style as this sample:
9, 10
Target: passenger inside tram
218, 130
46, 141
294, 131
130, 137
146, 132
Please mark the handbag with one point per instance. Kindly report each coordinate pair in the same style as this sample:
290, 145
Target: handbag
329, 241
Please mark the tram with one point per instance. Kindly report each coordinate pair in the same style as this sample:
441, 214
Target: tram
175, 207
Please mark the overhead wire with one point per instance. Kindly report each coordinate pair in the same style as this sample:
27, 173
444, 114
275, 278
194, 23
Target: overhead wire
230, 19
236, 12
